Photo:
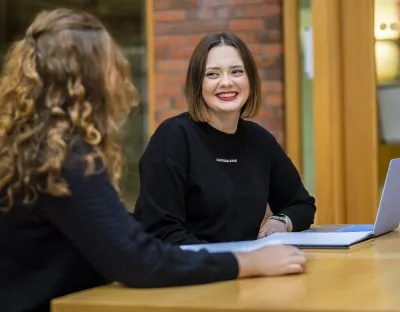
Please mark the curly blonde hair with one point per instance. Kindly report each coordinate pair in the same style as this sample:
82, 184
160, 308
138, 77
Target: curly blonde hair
65, 81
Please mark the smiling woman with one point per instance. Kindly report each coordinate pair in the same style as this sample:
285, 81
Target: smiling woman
208, 175
225, 87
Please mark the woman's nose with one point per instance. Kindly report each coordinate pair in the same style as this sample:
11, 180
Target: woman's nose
226, 81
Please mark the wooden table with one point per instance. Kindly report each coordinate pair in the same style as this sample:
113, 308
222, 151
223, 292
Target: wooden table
363, 278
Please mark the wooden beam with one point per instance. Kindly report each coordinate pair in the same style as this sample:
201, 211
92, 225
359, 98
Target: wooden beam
292, 93
360, 111
150, 65
328, 112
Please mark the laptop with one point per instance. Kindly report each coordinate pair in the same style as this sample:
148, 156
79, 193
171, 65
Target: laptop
330, 236
388, 216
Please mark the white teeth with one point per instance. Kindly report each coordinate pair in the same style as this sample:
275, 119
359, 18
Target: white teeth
226, 94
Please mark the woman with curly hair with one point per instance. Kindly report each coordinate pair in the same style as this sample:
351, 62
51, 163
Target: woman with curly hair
64, 96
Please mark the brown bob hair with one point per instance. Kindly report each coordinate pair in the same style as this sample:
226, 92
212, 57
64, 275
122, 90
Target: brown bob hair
196, 70
66, 81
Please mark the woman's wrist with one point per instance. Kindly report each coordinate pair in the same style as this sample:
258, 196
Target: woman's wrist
245, 264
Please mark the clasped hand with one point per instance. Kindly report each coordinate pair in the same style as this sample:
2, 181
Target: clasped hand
270, 227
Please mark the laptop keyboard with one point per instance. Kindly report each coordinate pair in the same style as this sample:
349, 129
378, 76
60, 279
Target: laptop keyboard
357, 228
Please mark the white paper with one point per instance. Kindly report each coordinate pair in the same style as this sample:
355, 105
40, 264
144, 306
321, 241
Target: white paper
301, 239
244, 246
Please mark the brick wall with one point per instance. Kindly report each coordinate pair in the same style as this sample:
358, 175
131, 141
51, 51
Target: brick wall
179, 26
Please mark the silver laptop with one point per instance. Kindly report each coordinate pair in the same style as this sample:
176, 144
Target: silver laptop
388, 216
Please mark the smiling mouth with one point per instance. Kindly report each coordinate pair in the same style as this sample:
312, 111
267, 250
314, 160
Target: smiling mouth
227, 96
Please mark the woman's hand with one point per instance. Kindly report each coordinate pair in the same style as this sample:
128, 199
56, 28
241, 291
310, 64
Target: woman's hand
273, 226
271, 261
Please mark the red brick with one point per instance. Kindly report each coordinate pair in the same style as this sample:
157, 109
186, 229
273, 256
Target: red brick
273, 22
172, 65
203, 13
273, 35
167, 90
183, 53
271, 10
169, 41
265, 114
199, 26
182, 78
248, 37
246, 11
180, 103
169, 16
162, 53
160, 4
276, 125
265, 61
255, 48
193, 40
274, 100
161, 28
272, 86
273, 49
273, 73
246, 24
163, 103
167, 79
183, 4
224, 12
165, 114
238, 11
237, 2
214, 3
253, 11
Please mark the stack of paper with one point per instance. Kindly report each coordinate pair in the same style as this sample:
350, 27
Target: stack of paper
299, 239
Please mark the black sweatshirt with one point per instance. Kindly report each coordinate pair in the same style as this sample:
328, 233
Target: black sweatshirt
62, 245
201, 185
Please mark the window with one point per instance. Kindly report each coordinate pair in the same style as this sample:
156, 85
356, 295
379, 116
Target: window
125, 20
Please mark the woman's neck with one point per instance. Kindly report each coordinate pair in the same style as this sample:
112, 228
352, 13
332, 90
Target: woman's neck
225, 122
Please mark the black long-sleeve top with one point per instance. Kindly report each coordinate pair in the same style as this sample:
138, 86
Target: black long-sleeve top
201, 185
62, 245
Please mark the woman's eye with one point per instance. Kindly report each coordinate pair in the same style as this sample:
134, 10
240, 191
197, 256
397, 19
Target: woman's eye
212, 75
238, 72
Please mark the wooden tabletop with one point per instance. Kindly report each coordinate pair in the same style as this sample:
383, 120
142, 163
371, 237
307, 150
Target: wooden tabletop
363, 278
